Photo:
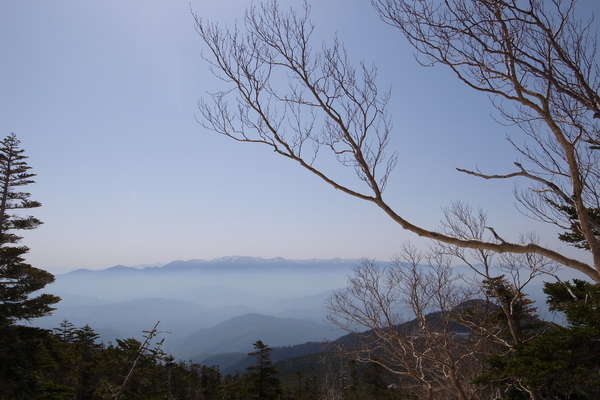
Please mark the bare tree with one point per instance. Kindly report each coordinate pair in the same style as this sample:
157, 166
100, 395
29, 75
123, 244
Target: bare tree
539, 65
405, 316
307, 104
509, 317
435, 328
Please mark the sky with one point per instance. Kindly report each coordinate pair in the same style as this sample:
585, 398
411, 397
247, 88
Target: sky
103, 96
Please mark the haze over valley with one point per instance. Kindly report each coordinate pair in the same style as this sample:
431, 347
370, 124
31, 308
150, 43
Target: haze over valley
204, 307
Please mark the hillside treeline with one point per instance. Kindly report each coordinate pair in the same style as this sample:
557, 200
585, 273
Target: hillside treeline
69, 363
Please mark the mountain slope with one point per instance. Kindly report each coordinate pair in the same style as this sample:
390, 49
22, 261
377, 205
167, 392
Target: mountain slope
238, 334
310, 355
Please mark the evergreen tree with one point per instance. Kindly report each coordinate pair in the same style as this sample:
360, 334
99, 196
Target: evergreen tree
33, 365
514, 316
261, 380
65, 331
27, 355
563, 361
232, 387
574, 236
86, 360
210, 382
17, 278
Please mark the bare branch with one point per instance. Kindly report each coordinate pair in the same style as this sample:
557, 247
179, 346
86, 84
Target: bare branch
408, 310
307, 105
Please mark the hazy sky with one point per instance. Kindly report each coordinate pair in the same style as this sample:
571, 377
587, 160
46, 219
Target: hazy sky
102, 95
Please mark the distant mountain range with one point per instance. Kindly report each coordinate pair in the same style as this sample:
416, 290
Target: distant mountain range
228, 281
232, 263
207, 307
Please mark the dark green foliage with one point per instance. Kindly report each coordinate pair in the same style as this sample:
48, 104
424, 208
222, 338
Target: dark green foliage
210, 382
303, 387
513, 314
261, 380
330, 373
182, 380
17, 278
70, 364
85, 350
564, 361
31, 362
65, 331
233, 387
578, 301
574, 235
508, 322
18, 281
14, 173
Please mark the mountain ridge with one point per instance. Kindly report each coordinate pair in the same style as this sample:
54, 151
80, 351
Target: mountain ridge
228, 261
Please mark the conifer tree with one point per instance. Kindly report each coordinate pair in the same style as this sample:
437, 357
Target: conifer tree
564, 361
261, 379
17, 278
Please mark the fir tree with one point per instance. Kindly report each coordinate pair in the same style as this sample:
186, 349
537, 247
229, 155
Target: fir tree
17, 278
562, 362
261, 379
574, 236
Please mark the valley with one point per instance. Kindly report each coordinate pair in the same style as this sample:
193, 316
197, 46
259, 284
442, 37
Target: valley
204, 307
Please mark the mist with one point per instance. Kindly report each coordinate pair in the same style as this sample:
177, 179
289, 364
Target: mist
186, 296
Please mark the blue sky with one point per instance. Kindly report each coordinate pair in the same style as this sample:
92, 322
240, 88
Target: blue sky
102, 95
